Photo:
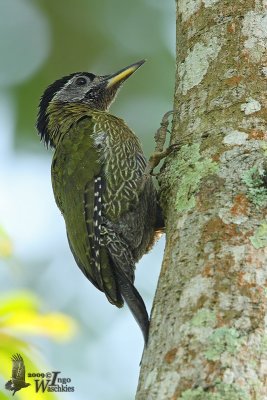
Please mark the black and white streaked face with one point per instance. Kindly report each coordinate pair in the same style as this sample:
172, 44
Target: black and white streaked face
87, 88
79, 87
76, 87
97, 92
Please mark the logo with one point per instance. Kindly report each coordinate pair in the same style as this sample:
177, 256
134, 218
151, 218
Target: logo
43, 381
51, 382
17, 381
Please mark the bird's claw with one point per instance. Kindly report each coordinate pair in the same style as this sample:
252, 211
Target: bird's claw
159, 153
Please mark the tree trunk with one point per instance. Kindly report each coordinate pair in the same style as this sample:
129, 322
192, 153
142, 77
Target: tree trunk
208, 337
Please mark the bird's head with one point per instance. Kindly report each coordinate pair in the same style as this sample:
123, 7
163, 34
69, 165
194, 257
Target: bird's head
97, 92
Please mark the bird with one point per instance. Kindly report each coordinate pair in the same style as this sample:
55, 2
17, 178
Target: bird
17, 381
112, 217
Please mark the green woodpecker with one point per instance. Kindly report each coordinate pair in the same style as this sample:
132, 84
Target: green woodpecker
97, 170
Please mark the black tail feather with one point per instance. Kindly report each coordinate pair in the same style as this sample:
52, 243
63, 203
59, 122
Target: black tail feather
134, 301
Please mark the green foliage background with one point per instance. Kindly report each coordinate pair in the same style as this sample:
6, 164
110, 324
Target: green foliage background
99, 36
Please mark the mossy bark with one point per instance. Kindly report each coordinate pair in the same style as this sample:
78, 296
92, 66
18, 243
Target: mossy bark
208, 336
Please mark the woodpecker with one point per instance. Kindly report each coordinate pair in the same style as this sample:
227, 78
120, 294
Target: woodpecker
97, 170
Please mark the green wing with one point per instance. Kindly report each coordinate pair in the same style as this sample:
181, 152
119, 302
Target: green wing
76, 174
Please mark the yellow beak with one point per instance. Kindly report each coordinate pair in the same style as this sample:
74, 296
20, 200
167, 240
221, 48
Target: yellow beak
123, 74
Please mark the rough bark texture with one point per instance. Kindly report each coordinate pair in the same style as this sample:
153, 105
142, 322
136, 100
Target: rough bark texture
208, 337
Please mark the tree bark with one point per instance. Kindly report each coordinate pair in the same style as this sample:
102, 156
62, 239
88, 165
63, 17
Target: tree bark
208, 336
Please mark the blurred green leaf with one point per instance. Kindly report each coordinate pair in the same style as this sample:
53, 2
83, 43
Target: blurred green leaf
19, 314
3, 397
12, 302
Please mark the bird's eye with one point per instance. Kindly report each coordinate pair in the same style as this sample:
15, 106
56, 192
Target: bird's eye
81, 81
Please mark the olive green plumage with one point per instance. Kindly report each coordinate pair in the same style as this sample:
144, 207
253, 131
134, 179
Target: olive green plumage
97, 172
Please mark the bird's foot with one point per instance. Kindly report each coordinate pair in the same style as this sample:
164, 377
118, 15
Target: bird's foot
160, 138
156, 157
159, 153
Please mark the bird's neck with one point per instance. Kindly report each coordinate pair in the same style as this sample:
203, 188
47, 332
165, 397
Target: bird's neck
61, 116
